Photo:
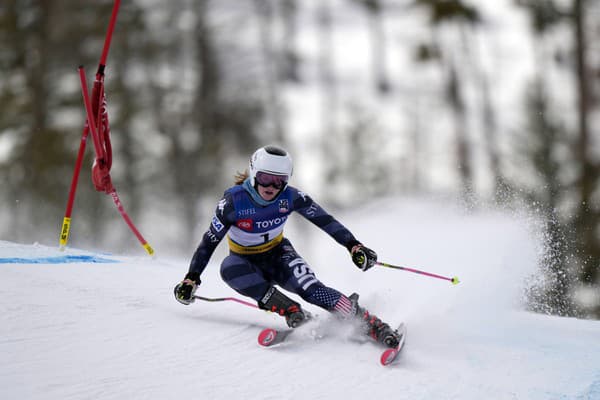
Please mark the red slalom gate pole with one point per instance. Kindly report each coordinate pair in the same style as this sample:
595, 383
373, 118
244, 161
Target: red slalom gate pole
129, 223
454, 279
97, 124
99, 153
66, 226
91, 120
109, 33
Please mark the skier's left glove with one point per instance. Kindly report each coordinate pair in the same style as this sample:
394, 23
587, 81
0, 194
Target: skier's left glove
184, 290
363, 257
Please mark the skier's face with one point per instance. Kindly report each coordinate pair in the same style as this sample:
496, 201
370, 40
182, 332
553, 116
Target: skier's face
269, 185
267, 193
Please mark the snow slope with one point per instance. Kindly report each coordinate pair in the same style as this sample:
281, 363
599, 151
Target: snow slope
109, 328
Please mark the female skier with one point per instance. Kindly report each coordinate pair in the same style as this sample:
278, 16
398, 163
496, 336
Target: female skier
253, 213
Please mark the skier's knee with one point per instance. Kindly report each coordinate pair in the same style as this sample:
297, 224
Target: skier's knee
243, 277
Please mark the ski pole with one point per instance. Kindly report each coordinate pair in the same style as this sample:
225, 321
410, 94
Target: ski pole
209, 299
454, 279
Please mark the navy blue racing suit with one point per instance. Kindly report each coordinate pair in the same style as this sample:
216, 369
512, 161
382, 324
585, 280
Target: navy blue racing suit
260, 256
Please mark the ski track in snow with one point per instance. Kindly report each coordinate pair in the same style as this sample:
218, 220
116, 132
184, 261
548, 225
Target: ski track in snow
114, 331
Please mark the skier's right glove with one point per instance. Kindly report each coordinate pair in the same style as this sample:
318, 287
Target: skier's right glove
363, 257
184, 290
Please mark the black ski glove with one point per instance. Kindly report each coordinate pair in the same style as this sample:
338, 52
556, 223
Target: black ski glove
363, 257
184, 290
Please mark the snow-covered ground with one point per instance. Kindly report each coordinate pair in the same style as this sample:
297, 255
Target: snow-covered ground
88, 328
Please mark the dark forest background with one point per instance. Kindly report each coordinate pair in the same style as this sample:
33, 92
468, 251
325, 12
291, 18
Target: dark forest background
194, 86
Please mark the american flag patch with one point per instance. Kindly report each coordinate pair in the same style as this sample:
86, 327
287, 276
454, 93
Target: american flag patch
344, 307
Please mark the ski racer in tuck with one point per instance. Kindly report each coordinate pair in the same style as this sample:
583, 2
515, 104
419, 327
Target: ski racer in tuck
253, 214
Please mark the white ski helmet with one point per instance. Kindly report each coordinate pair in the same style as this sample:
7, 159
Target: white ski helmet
272, 160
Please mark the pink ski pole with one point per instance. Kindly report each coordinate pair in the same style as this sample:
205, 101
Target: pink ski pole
454, 279
246, 303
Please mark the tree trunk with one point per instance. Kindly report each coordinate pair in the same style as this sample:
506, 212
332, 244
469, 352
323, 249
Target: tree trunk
378, 45
463, 151
329, 105
264, 13
588, 217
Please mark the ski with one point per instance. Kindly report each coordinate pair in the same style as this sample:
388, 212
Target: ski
269, 337
388, 356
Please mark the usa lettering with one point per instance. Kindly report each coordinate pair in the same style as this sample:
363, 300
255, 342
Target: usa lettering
304, 275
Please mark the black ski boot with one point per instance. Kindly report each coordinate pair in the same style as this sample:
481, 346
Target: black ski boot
277, 302
373, 326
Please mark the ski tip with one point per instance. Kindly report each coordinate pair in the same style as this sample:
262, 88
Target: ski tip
267, 336
388, 356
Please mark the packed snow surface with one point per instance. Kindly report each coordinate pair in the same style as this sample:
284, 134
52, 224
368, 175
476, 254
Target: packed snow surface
105, 326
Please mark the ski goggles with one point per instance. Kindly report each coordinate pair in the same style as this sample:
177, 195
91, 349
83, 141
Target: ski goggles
265, 179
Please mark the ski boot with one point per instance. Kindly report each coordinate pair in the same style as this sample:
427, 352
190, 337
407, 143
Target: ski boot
373, 326
277, 302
